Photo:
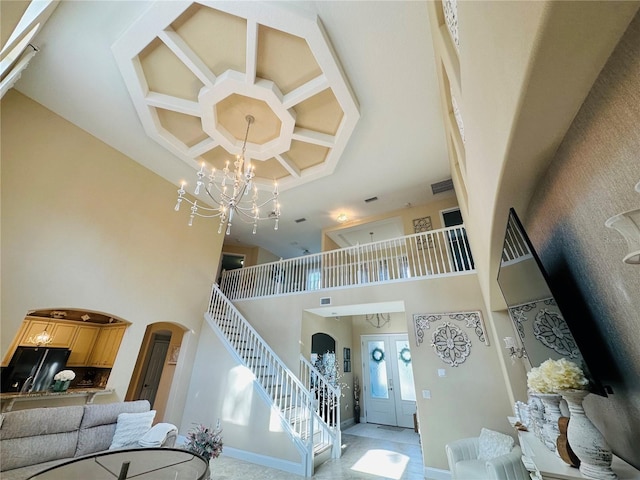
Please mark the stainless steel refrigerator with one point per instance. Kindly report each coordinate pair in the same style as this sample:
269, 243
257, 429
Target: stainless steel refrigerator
32, 369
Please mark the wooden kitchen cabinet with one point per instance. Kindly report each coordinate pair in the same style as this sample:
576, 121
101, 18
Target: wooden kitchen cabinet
82, 345
106, 346
62, 333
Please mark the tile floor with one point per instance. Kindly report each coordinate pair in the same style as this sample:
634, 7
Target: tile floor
369, 452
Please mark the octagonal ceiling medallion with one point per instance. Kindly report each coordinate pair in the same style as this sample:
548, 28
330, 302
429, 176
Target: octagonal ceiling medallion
196, 70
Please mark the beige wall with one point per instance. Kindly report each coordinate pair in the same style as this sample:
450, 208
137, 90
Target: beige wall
472, 395
85, 227
406, 214
221, 389
592, 178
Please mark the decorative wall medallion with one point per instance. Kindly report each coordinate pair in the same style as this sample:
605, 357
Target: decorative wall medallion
518, 315
548, 326
423, 225
472, 320
451, 344
551, 329
450, 8
421, 322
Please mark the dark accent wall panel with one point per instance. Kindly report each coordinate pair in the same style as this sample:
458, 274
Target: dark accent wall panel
590, 179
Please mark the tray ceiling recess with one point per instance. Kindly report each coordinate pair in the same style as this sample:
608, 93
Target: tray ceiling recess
195, 70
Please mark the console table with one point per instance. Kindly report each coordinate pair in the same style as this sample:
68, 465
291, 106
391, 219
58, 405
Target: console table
546, 465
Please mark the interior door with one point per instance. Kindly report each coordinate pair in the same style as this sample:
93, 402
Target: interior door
389, 388
154, 368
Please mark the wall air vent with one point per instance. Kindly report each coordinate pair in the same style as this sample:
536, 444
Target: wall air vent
325, 301
300, 220
443, 186
372, 199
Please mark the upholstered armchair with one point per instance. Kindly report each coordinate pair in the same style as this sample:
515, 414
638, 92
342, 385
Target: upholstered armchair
492, 456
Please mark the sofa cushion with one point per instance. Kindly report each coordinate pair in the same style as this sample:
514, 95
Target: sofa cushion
38, 435
130, 428
99, 424
493, 444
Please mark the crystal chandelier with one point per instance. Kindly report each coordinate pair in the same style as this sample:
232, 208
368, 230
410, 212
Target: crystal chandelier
229, 195
42, 338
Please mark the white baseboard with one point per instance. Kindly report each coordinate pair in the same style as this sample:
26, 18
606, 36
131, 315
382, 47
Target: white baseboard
431, 473
347, 423
264, 460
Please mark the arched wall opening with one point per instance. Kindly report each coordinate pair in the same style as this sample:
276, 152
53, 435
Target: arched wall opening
156, 365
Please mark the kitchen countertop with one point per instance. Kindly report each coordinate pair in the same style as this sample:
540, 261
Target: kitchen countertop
9, 398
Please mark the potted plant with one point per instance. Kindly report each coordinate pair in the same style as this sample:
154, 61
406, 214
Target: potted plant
205, 441
63, 380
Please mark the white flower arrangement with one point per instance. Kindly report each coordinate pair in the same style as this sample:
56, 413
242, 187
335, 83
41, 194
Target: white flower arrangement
65, 375
553, 376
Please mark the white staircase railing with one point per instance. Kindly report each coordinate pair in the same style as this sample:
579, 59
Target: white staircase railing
433, 253
279, 385
327, 400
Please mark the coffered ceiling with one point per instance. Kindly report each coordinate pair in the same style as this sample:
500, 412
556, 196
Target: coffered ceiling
195, 71
344, 95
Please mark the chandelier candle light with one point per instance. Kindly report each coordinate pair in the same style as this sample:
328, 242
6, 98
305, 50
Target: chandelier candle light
229, 194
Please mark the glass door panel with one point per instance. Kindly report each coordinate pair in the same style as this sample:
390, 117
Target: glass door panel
405, 371
378, 370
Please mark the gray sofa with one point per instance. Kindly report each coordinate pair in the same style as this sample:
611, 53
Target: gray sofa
34, 439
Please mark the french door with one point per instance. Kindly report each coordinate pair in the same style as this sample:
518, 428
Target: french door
389, 392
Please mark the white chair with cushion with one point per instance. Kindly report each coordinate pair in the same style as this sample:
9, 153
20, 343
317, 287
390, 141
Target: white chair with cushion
491, 456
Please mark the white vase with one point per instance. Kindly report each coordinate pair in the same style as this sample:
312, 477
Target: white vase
551, 431
586, 441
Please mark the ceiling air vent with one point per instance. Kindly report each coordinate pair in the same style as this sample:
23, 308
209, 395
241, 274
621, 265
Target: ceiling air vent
300, 220
443, 186
372, 199
325, 301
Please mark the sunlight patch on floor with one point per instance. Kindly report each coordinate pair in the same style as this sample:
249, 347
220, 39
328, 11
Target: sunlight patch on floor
383, 463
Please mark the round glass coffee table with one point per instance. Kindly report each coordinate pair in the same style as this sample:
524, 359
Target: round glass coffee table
137, 463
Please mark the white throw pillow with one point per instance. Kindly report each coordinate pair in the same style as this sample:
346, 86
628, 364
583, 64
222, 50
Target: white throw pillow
130, 428
493, 444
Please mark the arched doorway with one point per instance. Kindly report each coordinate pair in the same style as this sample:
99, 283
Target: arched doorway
155, 366
322, 343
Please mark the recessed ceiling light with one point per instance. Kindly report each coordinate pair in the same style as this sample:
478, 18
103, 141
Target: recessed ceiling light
342, 218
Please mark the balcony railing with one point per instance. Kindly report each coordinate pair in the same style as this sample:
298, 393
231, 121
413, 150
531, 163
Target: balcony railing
427, 254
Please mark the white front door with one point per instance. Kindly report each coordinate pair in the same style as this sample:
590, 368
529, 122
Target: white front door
389, 392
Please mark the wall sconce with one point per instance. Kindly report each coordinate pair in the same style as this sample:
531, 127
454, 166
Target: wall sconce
628, 225
513, 349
